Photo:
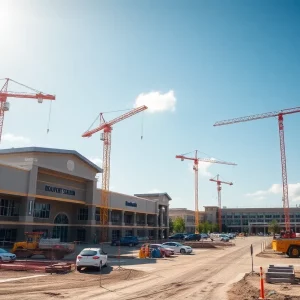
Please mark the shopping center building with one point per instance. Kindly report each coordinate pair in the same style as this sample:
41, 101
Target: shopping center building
55, 191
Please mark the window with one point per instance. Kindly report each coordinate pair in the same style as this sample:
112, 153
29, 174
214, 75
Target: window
128, 232
97, 214
115, 234
115, 217
81, 235
8, 235
41, 210
83, 214
190, 219
88, 253
8, 208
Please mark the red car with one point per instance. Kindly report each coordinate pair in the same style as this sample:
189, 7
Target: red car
165, 252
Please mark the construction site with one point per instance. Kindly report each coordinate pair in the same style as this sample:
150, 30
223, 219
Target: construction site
132, 207
52, 211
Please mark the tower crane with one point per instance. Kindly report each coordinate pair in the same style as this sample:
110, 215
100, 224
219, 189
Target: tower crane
196, 160
4, 94
279, 115
219, 188
106, 138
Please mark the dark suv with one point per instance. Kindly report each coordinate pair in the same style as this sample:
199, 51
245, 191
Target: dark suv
192, 237
177, 236
126, 241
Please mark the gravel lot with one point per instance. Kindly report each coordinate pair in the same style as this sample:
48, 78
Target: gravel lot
207, 274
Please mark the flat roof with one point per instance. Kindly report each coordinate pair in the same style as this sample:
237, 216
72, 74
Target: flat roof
50, 150
153, 195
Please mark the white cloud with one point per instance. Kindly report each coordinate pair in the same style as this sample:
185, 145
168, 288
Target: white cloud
96, 160
203, 168
14, 140
276, 189
157, 101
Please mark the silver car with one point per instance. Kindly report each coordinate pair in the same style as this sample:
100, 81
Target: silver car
6, 256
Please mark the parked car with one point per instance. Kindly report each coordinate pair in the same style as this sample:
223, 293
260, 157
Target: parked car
126, 241
193, 237
91, 257
231, 236
6, 256
178, 248
224, 238
204, 236
177, 236
165, 251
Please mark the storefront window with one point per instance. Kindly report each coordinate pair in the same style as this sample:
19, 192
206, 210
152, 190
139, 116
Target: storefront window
8, 235
41, 210
8, 208
97, 214
83, 214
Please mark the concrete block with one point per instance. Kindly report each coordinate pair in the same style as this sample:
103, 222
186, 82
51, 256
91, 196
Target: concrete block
279, 275
276, 270
280, 280
281, 266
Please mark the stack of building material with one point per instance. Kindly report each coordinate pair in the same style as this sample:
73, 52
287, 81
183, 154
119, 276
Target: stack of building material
280, 273
59, 268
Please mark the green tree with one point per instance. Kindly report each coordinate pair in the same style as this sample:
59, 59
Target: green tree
200, 227
215, 227
274, 227
179, 225
171, 225
206, 227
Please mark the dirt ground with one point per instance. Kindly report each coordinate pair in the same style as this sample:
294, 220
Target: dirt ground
269, 253
206, 274
248, 289
58, 285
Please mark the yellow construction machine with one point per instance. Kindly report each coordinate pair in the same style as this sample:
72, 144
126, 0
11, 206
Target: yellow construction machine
287, 243
35, 244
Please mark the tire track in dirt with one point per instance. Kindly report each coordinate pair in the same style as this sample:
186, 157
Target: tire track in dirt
189, 283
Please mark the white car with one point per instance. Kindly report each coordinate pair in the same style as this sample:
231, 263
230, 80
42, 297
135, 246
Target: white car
6, 256
91, 257
178, 248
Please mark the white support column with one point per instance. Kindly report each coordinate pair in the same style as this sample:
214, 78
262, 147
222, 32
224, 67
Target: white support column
122, 218
109, 217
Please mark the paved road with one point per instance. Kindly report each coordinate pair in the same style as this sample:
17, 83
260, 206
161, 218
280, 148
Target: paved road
205, 275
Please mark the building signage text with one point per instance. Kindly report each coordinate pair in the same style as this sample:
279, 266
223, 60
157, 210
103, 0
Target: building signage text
132, 204
57, 190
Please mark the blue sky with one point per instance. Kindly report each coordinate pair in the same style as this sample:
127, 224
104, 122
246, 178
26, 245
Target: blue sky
203, 61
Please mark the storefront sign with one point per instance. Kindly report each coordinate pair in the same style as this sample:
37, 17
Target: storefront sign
57, 190
132, 204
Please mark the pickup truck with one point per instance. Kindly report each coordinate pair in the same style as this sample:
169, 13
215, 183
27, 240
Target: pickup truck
126, 241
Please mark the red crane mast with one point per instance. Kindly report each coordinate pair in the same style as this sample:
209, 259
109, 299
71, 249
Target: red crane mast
196, 160
219, 188
279, 115
106, 138
4, 94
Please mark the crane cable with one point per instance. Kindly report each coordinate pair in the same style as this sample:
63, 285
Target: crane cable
49, 117
142, 126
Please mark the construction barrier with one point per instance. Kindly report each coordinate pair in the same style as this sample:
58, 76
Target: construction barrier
262, 287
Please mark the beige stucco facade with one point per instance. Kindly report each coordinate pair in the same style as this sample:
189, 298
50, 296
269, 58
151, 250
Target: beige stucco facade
55, 191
